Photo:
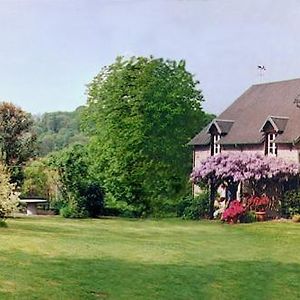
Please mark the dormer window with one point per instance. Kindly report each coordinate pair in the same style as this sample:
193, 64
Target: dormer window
217, 129
215, 147
272, 128
271, 147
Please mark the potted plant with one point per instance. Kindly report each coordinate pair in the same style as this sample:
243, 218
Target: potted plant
259, 205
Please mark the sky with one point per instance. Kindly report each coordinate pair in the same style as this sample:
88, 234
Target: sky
50, 49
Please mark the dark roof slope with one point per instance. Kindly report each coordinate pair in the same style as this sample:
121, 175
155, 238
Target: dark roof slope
202, 138
251, 110
278, 123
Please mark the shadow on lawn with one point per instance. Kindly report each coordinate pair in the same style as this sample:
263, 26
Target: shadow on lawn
26, 276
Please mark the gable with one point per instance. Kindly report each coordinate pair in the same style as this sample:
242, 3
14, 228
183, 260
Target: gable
272, 103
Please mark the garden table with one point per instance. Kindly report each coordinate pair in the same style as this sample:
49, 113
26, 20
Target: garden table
32, 204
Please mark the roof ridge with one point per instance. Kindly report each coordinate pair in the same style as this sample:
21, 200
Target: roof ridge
274, 82
224, 120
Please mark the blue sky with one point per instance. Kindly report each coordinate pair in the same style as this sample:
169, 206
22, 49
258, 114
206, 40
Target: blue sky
51, 49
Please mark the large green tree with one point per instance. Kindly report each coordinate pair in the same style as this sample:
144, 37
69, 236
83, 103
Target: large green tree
140, 114
17, 140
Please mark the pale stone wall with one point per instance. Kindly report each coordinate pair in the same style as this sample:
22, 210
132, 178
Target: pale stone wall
199, 155
244, 148
288, 153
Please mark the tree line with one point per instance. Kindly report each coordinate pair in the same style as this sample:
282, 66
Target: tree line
124, 153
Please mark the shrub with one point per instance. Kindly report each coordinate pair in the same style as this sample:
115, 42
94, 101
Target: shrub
3, 224
72, 211
82, 195
122, 209
92, 199
233, 212
8, 197
194, 207
256, 203
290, 204
296, 218
248, 217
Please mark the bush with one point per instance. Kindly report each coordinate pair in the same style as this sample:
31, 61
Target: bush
71, 209
92, 199
248, 217
82, 195
234, 212
296, 218
194, 208
8, 197
121, 209
3, 224
291, 203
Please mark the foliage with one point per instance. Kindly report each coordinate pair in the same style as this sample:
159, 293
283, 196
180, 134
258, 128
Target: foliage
194, 208
290, 204
140, 114
40, 180
17, 139
237, 167
256, 203
233, 212
296, 218
248, 217
3, 224
57, 130
72, 209
8, 197
257, 170
81, 194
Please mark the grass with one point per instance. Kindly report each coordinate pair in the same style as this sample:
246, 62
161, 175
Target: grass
54, 258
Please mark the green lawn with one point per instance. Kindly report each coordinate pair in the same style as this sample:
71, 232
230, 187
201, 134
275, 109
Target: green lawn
54, 258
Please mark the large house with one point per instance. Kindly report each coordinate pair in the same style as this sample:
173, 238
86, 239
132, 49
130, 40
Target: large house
265, 119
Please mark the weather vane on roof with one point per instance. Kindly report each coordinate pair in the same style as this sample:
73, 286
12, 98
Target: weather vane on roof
297, 101
261, 69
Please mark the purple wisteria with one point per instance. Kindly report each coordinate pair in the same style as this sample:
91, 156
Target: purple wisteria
239, 167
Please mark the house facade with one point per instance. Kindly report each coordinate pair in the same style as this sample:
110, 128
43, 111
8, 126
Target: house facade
264, 119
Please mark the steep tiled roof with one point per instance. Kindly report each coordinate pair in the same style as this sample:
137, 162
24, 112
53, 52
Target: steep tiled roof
273, 101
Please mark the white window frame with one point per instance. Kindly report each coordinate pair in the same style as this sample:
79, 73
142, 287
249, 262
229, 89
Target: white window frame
271, 145
216, 148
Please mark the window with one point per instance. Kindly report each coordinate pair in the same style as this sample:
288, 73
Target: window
271, 148
216, 148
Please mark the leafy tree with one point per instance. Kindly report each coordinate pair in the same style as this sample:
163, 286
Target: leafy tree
40, 180
8, 197
16, 137
140, 115
82, 195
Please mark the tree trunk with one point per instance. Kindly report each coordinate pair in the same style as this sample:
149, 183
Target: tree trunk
212, 196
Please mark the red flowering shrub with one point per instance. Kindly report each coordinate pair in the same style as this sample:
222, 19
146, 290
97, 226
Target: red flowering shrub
258, 203
233, 212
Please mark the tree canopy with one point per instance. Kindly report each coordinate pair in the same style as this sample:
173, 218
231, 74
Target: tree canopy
17, 138
57, 130
141, 112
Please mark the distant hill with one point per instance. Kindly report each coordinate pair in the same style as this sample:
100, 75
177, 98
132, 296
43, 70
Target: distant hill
57, 130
